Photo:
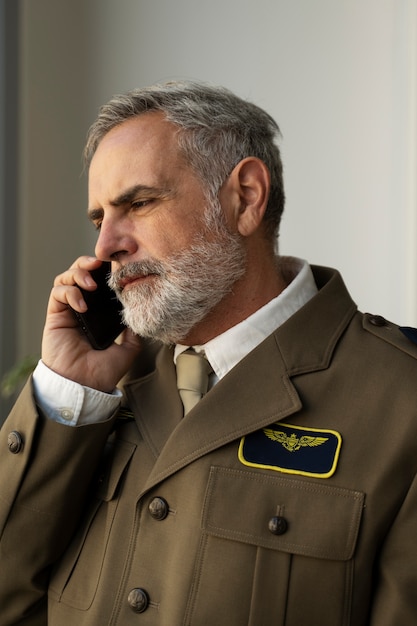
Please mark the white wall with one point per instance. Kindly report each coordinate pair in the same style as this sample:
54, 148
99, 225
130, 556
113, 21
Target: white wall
339, 76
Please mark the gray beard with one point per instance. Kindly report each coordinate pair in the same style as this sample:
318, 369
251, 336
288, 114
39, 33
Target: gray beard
183, 289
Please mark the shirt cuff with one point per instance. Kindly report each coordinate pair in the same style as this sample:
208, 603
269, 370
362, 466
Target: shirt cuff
70, 403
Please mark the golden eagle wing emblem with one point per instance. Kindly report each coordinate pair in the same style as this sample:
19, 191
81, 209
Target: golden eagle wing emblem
312, 441
292, 442
275, 435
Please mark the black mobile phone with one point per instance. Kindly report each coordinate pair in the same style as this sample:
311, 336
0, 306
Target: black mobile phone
102, 322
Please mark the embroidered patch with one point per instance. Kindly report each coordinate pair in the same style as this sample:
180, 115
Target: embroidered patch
292, 450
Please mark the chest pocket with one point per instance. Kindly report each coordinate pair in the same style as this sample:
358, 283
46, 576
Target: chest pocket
77, 577
278, 543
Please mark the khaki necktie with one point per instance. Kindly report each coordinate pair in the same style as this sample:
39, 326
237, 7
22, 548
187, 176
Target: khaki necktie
193, 371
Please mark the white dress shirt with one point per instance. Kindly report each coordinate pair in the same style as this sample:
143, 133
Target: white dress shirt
71, 403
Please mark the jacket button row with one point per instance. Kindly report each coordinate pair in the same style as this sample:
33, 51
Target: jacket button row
15, 442
158, 508
138, 600
277, 525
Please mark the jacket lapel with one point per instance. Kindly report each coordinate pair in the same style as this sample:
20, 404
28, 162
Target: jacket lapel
155, 402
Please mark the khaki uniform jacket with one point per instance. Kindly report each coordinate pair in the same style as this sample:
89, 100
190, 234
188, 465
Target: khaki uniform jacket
287, 497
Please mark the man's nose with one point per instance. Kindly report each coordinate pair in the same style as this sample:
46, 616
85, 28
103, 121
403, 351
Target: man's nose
114, 241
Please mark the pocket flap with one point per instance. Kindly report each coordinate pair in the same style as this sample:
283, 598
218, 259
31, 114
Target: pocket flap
320, 520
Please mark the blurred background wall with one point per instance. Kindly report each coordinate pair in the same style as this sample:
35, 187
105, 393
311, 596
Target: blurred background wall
339, 76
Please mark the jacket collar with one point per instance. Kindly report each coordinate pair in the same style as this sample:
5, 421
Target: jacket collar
307, 340
257, 391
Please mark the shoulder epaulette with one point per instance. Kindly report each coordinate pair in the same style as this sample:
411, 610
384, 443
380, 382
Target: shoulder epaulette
402, 337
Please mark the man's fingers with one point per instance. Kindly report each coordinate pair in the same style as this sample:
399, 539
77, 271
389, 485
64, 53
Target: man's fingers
79, 273
64, 295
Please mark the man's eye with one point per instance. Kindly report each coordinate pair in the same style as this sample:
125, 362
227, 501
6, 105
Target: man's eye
97, 224
139, 204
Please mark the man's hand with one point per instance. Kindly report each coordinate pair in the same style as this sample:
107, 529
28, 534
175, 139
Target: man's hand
66, 350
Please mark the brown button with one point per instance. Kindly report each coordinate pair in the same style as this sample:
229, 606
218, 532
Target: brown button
377, 320
278, 525
158, 508
138, 600
15, 442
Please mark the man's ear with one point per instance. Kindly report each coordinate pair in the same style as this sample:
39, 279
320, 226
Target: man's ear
249, 183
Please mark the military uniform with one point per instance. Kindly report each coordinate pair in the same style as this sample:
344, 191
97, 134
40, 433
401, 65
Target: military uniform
287, 496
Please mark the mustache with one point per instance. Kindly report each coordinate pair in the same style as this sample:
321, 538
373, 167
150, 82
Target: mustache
135, 269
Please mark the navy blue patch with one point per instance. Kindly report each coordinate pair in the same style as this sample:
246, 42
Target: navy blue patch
409, 332
292, 450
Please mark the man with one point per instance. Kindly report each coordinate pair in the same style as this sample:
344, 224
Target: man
286, 495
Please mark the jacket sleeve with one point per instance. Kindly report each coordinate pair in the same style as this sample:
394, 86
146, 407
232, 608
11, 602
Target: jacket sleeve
46, 469
395, 600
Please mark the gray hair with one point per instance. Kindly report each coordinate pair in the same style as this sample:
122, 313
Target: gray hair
216, 130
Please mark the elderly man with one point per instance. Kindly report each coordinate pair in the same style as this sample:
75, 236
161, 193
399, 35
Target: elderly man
283, 492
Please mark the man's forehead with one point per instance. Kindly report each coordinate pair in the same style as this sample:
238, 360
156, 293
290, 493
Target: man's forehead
142, 152
145, 127
146, 143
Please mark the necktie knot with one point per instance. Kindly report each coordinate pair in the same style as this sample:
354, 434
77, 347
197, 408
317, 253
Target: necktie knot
193, 371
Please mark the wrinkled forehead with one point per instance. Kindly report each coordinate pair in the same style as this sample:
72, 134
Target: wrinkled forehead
141, 153
147, 142
141, 132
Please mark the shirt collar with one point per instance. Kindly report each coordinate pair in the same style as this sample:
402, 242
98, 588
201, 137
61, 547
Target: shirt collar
227, 349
